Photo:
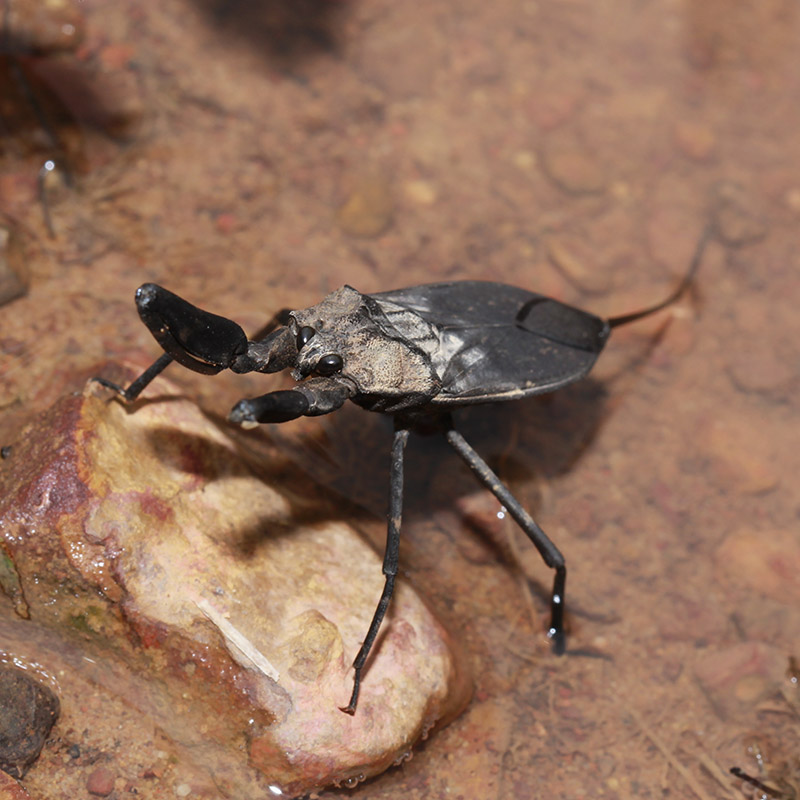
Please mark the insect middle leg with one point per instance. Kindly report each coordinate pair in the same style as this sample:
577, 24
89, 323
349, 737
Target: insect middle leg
549, 552
390, 560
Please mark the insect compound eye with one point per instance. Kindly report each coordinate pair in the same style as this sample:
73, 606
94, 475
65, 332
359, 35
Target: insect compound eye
304, 336
330, 364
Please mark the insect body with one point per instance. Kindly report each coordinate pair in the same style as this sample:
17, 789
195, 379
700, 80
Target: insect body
414, 353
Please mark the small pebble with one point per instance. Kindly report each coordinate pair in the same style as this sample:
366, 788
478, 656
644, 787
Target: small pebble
524, 160
739, 675
574, 259
738, 221
421, 192
313, 646
763, 561
573, 169
226, 223
100, 782
28, 710
368, 210
749, 688
701, 52
792, 199
695, 140
183, 790
739, 455
754, 368
551, 108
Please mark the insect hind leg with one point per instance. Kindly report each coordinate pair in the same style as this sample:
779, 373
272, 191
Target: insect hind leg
550, 554
390, 561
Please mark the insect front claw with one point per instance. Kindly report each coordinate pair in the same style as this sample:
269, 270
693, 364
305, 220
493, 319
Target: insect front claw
197, 339
279, 406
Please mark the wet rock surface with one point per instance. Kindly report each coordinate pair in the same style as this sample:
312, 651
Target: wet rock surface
10, 789
28, 711
227, 605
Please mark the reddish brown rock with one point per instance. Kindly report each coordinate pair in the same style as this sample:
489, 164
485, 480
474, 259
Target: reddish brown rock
146, 536
738, 452
28, 710
737, 677
764, 561
572, 167
10, 789
100, 782
738, 219
695, 140
758, 367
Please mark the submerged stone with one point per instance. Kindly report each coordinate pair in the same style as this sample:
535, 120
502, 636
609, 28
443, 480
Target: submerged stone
28, 710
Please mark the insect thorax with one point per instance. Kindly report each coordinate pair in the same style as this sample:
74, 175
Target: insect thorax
382, 354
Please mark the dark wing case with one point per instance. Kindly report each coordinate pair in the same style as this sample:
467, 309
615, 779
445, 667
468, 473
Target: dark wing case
498, 342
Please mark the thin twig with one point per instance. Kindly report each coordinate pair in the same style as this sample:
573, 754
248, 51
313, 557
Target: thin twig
673, 762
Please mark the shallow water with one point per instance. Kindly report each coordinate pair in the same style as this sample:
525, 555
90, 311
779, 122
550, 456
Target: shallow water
276, 151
